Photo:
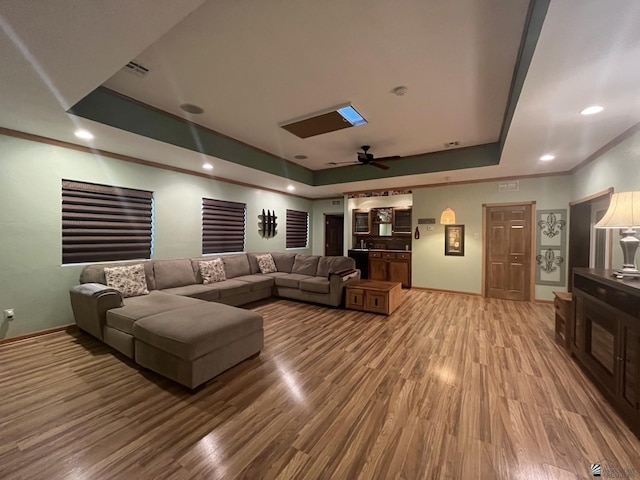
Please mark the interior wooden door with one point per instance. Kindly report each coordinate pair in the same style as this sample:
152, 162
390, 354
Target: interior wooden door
508, 252
334, 235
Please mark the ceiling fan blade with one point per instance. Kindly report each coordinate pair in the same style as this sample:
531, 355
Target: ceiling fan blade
394, 157
342, 163
379, 165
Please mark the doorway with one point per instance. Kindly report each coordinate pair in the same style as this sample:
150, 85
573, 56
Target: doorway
508, 250
589, 247
333, 234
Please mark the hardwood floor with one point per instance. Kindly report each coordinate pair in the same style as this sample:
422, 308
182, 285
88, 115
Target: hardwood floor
449, 386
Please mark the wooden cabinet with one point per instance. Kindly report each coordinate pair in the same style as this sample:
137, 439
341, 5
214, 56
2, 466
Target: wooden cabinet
605, 338
563, 305
390, 267
361, 222
402, 221
373, 296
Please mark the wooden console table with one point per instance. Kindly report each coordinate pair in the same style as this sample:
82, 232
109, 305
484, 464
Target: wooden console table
605, 337
373, 296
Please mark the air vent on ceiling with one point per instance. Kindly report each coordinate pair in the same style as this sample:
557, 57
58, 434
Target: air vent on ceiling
509, 186
136, 68
336, 203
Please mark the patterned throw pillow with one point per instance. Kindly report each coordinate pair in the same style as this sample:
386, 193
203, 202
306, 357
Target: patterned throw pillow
128, 279
266, 263
212, 271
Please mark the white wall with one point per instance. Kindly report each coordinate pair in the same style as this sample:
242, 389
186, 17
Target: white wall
32, 279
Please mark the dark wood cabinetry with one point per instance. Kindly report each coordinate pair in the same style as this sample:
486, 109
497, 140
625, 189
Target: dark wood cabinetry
605, 337
390, 267
361, 222
402, 221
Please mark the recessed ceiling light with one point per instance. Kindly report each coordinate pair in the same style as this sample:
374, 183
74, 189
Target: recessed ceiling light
591, 110
548, 157
400, 91
291, 188
300, 157
84, 134
207, 166
191, 108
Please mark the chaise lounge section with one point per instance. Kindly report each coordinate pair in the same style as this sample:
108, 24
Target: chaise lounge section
189, 330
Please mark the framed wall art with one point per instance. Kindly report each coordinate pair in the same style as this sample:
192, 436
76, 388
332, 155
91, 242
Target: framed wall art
454, 240
551, 238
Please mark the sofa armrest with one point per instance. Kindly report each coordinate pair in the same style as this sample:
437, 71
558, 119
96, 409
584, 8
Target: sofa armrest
338, 282
90, 302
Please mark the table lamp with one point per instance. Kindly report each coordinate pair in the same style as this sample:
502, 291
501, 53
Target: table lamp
624, 213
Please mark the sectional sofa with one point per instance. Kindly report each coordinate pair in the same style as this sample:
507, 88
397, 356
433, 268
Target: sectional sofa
190, 330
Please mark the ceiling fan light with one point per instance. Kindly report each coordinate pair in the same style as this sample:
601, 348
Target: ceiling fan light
448, 217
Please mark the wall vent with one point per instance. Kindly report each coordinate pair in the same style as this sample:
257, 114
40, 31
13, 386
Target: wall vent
136, 68
509, 186
336, 203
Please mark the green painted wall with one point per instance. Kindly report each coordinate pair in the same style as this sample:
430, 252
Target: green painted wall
32, 279
432, 269
316, 227
618, 168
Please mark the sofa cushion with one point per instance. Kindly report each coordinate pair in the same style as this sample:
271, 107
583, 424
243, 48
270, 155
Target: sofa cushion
305, 264
129, 280
212, 271
197, 290
229, 288
257, 282
266, 263
236, 265
315, 284
173, 273
95, 273
253, 262
328, 265
284, 261
290, 280
194, 331
135, 308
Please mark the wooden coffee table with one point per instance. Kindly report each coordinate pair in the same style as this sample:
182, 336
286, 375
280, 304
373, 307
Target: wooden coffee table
373, 296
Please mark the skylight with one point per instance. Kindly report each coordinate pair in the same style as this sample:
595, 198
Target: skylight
352, 116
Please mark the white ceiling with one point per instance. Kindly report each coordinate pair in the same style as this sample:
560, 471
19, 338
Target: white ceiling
252, 65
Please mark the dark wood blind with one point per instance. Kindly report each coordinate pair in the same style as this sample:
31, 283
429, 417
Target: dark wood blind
297, 229
223, 226
102, 223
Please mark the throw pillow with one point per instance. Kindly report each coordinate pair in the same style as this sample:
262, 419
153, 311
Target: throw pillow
128, 279
266, 263
212, 271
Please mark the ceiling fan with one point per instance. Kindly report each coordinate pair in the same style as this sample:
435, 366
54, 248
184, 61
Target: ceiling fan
366, 158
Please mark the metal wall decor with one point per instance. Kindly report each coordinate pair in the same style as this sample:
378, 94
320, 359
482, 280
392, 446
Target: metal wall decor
267, 225
551, 225
551, 236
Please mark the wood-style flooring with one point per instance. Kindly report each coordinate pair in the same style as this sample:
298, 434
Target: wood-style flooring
449, 386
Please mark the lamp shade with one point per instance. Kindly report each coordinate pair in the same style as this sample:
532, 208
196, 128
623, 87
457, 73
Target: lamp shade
448, 217
623, 212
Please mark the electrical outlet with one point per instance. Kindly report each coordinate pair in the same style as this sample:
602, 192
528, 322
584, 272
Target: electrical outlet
9, 314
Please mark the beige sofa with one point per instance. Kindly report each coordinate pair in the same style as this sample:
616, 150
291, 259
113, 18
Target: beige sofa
189, 331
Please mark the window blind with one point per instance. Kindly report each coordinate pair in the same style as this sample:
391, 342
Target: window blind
102, 223
223, 226
297, 229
